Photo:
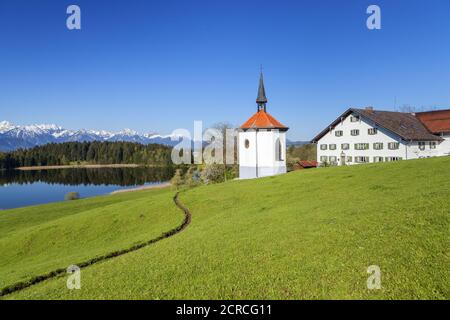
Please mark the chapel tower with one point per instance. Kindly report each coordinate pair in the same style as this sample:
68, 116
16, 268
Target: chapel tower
262, 142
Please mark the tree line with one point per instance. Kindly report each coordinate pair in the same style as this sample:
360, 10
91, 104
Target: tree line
95, 152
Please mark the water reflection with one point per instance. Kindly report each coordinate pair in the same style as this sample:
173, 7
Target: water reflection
82, 176
24, 188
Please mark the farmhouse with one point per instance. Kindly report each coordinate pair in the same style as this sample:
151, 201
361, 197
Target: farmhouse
262, 142
368, 135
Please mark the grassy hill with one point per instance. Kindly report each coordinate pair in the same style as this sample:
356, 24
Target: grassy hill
307, 234
37, 240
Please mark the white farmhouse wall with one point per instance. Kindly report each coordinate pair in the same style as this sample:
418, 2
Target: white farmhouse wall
414, 152
444, 147
259, 159
406, 150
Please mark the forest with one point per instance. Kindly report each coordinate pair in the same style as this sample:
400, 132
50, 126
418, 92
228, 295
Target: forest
95, 152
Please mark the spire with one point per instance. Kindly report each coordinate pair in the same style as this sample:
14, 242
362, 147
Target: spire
261, 100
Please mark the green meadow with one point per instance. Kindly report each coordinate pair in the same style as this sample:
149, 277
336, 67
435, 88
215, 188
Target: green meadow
308, 234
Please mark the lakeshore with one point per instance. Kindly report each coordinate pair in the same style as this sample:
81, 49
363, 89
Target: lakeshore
83, 166
20, 188
157, 186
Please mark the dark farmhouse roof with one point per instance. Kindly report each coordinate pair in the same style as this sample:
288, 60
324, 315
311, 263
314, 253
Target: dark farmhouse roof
405, 125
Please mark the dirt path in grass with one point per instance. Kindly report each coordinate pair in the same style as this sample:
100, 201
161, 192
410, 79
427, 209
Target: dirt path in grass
35, 280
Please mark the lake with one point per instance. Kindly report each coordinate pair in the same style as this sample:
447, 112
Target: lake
25, 188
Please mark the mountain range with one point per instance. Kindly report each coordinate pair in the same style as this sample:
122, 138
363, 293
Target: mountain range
14, 137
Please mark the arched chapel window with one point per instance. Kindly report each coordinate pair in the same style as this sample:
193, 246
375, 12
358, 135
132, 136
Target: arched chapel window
278, 150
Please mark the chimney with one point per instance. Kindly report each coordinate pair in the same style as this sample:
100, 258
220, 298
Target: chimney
369, 109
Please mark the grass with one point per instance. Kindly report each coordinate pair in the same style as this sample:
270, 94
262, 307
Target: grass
310, 234
36, 240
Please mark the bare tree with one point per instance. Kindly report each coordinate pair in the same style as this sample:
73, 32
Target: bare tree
407, 108
223, 127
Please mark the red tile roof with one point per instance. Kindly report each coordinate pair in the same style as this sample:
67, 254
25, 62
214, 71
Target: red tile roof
435, 121
263, 120
307, 164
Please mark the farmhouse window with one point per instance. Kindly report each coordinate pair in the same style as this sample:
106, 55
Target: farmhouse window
362, 159
389, 159
378, 146
339, 133
332, 147
361, 146
345, 146
422, 145
354, 118
323, 147
393, 145
372, 131
354, 132
433, 145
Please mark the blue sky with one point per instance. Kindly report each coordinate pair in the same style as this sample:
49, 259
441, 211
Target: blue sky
160, 65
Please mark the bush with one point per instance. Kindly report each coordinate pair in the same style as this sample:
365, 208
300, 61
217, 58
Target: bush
192, 177
325, 164
291, 163
72, 196
213, 173
177, 179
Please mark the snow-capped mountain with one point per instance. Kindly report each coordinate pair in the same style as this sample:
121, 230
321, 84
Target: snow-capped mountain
13, 137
